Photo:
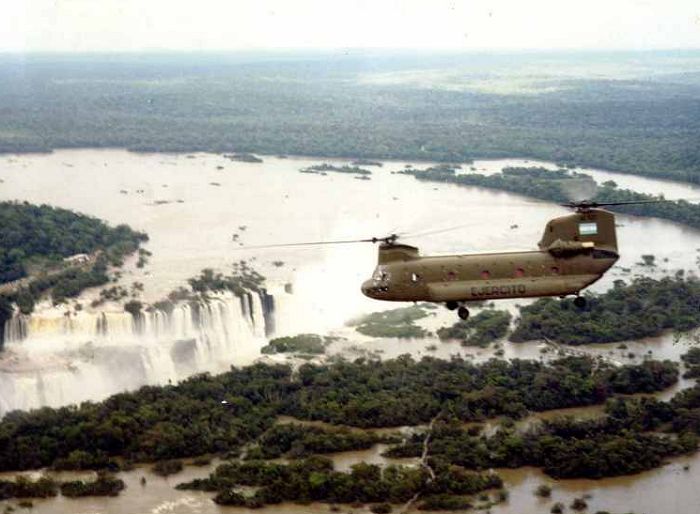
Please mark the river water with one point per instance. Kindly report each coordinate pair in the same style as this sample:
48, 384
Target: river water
192, 205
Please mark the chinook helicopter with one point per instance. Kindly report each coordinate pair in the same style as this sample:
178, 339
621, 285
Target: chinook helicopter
574, 252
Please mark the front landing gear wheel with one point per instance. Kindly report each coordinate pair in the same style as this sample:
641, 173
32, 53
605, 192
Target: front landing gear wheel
580, 302
463, 313
451, 305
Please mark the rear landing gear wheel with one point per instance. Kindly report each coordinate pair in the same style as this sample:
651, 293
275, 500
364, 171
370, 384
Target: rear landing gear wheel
463, 313
451, 305
580, 302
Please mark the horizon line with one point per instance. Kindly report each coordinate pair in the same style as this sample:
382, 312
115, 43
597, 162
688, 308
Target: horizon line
347, 50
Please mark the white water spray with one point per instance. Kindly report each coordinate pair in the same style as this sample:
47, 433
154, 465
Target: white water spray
53, 358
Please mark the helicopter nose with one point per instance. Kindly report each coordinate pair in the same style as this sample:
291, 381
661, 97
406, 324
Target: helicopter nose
368, 288
372, 289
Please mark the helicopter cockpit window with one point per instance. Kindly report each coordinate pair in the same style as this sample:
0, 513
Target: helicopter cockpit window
588, 229
380, 275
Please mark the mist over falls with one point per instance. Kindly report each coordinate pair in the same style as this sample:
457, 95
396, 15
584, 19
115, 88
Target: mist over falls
53, 359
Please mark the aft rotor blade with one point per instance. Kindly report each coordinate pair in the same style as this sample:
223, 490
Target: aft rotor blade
607, 204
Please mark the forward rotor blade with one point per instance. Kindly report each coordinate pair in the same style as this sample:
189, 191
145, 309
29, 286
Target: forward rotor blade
387, 239
309, 243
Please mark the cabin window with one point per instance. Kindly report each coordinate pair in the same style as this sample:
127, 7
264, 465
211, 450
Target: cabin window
588, 229
415, 278
555, 270
519, 272
451, 275
485, 274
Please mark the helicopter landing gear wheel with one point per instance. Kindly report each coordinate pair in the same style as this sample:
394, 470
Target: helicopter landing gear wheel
580, 302
451, 305
463, 313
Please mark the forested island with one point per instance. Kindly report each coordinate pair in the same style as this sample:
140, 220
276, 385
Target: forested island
48, 249
243, 157
322, 169
23, 488
314, 479
312, 344
344, 106
560, 185
241, 281
487, 326
398, 322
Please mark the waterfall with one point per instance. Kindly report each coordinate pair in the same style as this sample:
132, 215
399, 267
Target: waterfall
53, 358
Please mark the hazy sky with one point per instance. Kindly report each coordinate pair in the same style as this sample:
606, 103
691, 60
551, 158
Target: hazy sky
103, 25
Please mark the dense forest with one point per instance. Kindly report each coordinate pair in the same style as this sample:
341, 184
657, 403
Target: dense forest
645, 307
691, 359
374, 106
563, 447
294, 440
36, 235
189, 419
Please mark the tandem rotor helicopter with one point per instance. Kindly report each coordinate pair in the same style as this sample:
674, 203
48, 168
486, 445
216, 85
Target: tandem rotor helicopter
574, 252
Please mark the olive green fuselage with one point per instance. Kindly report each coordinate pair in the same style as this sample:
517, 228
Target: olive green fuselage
476, 277
575, 251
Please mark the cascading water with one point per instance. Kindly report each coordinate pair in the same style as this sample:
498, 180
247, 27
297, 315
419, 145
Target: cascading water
54, 358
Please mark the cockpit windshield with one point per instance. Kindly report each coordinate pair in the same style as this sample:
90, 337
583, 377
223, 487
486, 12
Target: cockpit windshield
380, 274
